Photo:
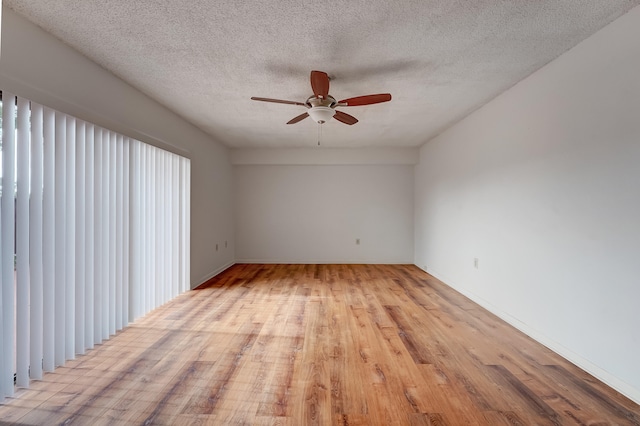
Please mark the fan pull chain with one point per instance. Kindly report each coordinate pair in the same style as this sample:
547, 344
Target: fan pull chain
319, 133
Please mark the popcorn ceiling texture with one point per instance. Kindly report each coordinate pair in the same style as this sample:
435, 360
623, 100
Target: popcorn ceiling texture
440, 59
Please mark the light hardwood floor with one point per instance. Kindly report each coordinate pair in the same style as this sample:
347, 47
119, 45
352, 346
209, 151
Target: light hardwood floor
320, 344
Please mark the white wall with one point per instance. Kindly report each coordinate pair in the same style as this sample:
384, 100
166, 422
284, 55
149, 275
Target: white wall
324, 156
315, 213
542, 185
37, 66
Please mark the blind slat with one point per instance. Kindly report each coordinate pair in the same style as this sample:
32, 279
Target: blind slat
7, 232
70, 240
36, 243
119, 238
22, 244
81, 249
89, 236
112, 233
60, 237
98, 256
48, 241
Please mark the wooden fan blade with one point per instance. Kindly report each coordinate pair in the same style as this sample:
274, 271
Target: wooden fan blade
278, 101
366, 100
345, 118
320, 84
298, 118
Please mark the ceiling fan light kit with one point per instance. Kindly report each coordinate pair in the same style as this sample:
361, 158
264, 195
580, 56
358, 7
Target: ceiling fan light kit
321, 114
321, 106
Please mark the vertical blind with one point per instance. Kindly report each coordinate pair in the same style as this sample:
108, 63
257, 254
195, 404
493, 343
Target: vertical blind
94, 231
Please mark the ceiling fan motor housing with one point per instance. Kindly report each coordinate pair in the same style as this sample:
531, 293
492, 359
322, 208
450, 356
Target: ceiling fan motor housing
320, 109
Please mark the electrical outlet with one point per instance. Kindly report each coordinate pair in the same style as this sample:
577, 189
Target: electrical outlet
357, 241
475, 262
225, 244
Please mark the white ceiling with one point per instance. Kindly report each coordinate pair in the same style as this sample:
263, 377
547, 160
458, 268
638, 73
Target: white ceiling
440, 59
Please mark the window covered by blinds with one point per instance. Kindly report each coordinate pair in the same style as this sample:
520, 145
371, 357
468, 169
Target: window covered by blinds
94, 231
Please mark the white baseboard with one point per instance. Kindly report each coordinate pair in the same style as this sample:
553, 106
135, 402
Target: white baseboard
213, 274
576, 359
324, 262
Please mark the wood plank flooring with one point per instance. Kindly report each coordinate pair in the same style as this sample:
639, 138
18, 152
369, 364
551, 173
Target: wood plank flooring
320, 345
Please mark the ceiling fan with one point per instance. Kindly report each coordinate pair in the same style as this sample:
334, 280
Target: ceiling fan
321, 107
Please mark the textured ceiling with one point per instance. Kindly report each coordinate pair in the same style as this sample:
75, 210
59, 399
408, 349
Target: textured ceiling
440, 59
